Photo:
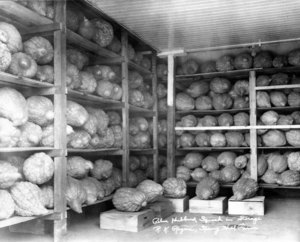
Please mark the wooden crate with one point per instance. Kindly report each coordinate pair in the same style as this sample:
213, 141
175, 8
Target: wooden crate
214, 206
162, 208
126, 221
251, 206
179, 205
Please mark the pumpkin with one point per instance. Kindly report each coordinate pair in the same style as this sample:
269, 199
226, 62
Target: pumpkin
174, 187
77, 58
203, 103
104, 32
218, 140
78, 167
90, 189
263, 60
151, 189
22, 65
13, 37
40, 110
209, 163
75, 194
5, 56
293, 160
9, 175
293, 137
129, 199
79, 139
234, 139
192, 160
45, 73
76, 114
40, 49
225, 63
198, 174
87, 81
9, 134
202, 139
102, 169
274, 138
263, 99
86, 29
38, 168
220, 85
47, 196
243, 61
99, 185
289, 178
241, 161
244, 188
277, 162
183, 173
208, 188
7, 205
230, 174
184, 102
31, 135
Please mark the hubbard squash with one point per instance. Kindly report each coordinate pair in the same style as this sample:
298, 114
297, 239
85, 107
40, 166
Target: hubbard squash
78, 167
22, 65
208, 188
230, 174
293, 160
86, 29
47, 196
9, 134
198, 174
75, 194
225, 63
244, 188
31, 135
270, 177
5, 56
183, 173
76, 114
9, 175
104, 32
90, 189
45, 73
129, 199
152, 190
174, 187
210, 163
79, 139
13, 37
100, 187
7, 205
289, 178
102, 169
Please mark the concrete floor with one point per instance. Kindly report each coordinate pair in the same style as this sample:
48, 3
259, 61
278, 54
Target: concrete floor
281, 223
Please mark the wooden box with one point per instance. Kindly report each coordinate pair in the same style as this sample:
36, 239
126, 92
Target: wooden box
126, 221
179, 205
162, 208
214, 206
251, 206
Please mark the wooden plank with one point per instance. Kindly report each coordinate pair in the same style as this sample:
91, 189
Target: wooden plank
284, 109
155, 118
171, 117
135, 109
213, 128
277, 127
126, 221
288, 86
217, 205
212, 112
108, 151
42, 29
179, 205
143, 151
125, 110
279, 148
208, 149
161, 208
139, 68
251, 206
253, 133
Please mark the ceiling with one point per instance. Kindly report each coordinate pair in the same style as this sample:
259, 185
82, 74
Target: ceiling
189, 24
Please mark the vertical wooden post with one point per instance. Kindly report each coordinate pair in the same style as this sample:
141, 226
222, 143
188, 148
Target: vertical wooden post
60, 175
253, 132
155, 118
125, 109
171, 117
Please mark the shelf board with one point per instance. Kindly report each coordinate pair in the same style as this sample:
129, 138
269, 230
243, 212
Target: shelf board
212, 128
92, 98
287, 69
139, 68
280, 109
49, 150
234, 73
143, 151
19, 219
279, 148
194, 184
212, 112
277, 126
78, 40
288, 86
108, 151
135, 109
212, 148
261, 185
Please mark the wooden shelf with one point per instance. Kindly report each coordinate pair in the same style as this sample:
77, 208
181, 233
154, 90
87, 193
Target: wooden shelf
139, 110
212, 128
143, 151
77, 95
270, 71
261, 185
139, 68
280, 109
18, 219
212, 112
277, 126
213, 148
49, 150
288, 86
279, 148
108, 151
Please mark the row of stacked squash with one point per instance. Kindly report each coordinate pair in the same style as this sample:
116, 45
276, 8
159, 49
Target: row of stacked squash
228, 167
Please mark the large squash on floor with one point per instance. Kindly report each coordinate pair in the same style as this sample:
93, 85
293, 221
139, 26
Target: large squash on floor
207, 188
129, 199
244, 188
152, 190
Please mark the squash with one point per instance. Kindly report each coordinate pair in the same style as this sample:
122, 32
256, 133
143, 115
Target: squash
102, 72
104, 32
105, 89
91, 124
183, 172
117, 92
230, 174
210, 163
130, 52
262, 165
72, 78
45, 73
146, 63
293, 99
90, 189
269, 117
190, 67
115, 45
7, 205
40, 110
74, 18
86, 29
79, 139
9, 175
263, 99
31, 135
184, 102
78, 167
118, 136
99, 185
217, 140
117, 176
198, 174
5, 56
48, 135
192, 160
274, 138
226, 158
222, 101
280, 61
105, 140
87, 81
76, 114
47, 196
102, 169
234, 139
27, 198
203, 103
9, 134
293, 137
22, 65
38, 168
152, 190
75, 194
263, 60
278, 99
270, 177
13, 37
40, 49
103, 120
241, 119
174, 187
225, 119
241, 161
202, 139
77, 58
129, 199
38, 6
220, 85
244, 188
293, 160
277, 162
208, 188
114, 118
216, 174
186, 140
163, 174
289, 178
196, 89
279, 79
225, 63
141, 140
134, 163
243, 61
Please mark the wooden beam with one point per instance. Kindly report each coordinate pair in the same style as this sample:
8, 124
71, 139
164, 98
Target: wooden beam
212, 128
175, 52
171, 117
